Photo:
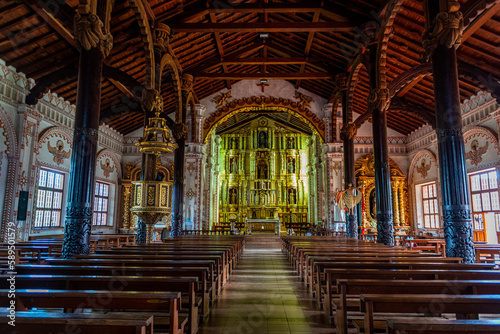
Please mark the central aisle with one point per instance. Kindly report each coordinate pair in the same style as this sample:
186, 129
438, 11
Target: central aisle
264, 296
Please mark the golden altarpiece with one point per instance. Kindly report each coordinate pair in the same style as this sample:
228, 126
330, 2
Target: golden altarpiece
263, 174
365, 178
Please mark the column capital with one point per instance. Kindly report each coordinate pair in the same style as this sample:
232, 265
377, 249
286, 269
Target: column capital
379, 99
161, 36
90, 33
446, 28
341, 80
152, 100
187, 82
180, 131
348, 131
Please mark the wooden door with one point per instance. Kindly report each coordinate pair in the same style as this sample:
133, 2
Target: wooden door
479, 227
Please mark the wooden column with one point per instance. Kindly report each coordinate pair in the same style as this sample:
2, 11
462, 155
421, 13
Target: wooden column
180, 134
442, 37
402, 204
395, 190
347, 135
378, 104
79, 208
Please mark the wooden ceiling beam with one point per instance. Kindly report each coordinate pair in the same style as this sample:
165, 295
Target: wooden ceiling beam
283, 76
307, 49
263, 27
270, 61
480, 21
334, 13
220, 49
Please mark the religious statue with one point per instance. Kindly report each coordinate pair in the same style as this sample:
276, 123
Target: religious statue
292, 198
234, 196
349, 198
290, 143
233, 166
262, 139
291, 166
262, 169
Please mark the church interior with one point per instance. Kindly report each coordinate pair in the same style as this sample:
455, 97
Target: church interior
250, 166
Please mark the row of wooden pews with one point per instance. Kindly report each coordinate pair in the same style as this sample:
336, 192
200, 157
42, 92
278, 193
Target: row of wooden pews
169, 286
384, 289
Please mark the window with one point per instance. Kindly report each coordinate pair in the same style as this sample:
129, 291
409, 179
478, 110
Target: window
49, 199
101, 197
430, 206
484, 193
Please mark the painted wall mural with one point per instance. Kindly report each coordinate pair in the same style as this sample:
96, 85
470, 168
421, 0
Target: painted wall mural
58, 152
482, 149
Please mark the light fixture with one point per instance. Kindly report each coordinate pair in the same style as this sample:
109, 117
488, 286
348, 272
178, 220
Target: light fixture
263, 81
264, 35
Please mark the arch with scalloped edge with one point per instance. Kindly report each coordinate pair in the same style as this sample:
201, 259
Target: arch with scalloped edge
361, 60
147, 39
259, 103
424, 153
64, 132
167, 62
8, 126
393, 8
108, 153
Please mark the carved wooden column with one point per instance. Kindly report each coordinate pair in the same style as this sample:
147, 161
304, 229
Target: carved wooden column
127, 193
442, 37
180, 134
396, 199
8, 205
347, 134
95, 41
402, 204
378, 103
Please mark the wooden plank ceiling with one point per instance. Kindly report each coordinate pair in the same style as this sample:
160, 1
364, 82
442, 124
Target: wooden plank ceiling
218, 42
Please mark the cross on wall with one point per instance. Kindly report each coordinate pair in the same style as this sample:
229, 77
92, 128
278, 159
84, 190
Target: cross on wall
263, 84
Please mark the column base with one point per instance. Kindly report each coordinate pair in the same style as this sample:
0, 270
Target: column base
141, 233
76, 237
352, 227
460, 240
385, 231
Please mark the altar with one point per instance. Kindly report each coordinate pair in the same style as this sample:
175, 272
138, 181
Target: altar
263, 226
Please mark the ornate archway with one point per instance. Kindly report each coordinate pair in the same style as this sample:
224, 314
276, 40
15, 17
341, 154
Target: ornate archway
257, 103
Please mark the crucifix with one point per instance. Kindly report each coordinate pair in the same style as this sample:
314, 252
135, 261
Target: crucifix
263, 83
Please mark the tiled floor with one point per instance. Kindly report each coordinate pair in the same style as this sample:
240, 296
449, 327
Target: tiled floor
264, 296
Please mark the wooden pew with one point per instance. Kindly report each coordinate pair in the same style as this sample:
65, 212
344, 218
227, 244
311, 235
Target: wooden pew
81, 323
223, 265
353, 288
185, 285
321, 267
434, 326
469, 306
214, 277
200, 273
316, 265
332, 275
428, 245
163, 302
487, 251
309, 259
